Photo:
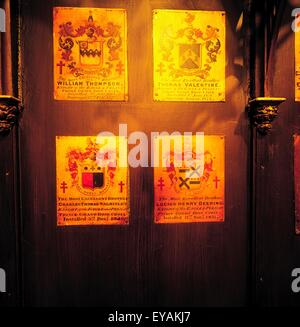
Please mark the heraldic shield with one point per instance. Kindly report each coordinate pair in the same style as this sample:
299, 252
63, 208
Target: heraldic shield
91, 53
92, 176
190, 56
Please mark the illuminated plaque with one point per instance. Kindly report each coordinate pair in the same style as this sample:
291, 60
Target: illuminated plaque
191, 193
89, 193
297, 66
189, 55
297, 181
90, 54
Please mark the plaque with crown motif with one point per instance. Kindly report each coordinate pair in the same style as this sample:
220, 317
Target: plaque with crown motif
189, 191
189, 55
90, 192
90, 54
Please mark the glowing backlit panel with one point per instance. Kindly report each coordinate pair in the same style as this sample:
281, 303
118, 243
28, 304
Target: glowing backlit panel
297, 180
90, 54
297, 66
190, 193
189, 55
89, 194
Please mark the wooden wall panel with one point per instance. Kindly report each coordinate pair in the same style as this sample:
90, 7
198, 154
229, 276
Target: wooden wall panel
142, 264
9, 188
278, 247
8, 223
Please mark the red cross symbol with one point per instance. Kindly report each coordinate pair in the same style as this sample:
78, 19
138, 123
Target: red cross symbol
60, 65
216, 180
120, 68
161, 183
121, 184
160, 69
63, 186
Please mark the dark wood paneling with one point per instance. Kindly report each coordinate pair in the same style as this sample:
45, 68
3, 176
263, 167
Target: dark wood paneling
8, 223
278, 248
142, 264
9, 190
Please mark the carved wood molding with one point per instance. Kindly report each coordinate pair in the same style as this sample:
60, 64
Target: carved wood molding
10, 110
263, 111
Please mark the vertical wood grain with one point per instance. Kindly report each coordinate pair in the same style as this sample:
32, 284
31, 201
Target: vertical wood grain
144, 263
278, 247
9, 213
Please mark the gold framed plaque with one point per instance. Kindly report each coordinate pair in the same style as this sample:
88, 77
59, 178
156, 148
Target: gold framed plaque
89, 193
297, 181
189, 55
90, 54
297, 65
191, 193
